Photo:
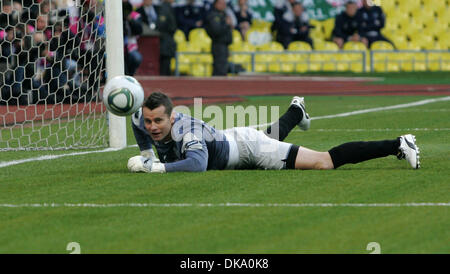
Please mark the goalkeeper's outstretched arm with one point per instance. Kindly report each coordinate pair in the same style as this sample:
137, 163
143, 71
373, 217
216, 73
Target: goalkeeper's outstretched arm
195, 161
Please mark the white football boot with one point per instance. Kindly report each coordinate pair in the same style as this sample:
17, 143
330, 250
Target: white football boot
409, 150
306, 121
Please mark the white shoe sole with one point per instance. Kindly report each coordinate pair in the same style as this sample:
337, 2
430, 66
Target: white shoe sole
410, 150
305, 123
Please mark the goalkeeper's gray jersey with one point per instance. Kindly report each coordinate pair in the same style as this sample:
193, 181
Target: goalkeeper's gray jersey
195, 145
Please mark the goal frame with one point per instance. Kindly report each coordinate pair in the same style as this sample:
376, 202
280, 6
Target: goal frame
115, 67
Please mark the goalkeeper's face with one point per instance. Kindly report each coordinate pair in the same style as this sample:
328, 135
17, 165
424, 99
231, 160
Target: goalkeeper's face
158, 123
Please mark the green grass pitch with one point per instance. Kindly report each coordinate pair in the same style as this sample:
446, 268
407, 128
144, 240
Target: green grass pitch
102, 178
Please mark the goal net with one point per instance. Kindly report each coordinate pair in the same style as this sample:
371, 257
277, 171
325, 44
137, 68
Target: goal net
52, 69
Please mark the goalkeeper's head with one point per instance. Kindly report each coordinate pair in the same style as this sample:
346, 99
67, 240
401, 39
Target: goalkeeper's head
158, 116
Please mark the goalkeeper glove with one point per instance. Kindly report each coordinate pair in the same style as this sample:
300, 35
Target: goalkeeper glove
141, 164
150, 154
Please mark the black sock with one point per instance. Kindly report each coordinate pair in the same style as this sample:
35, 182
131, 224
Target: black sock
356, 152
281, 128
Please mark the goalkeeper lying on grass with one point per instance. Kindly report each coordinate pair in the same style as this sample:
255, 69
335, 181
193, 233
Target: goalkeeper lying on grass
184, 143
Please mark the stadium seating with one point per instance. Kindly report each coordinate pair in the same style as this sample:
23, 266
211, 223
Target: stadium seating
241, 53
412, 25
328, 26
381, 45
179, 36
329, 46
409, 5
237, 37
200, 38
299, 46
257, 37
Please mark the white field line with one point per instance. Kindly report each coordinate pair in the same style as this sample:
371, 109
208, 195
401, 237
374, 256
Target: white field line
363, 111
373, 129
345, 114
140, 205
51, 157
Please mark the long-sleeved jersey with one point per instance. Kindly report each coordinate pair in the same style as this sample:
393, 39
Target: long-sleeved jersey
195, 146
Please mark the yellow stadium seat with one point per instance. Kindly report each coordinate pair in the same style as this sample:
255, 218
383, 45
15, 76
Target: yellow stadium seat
387, 5
183, 64
350, 45
333, 62
394, 22
388, 66
179, 36
390, 34
201, 70
317, 32
444, 39
435, 4
423, 41
400, 41
199, 37
411, 61
237, 37
299, 46
438, 61
197, 33
260, 24
316, 61
424, 14
271, 46
243, 47
412, 45
288, 62
409, 5
381, 45
386, 62
188, 47
443, 14
328, 26
330, 46
412, 29
440, 26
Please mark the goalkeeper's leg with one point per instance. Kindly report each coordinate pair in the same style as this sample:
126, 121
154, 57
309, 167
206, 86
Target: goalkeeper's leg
403, 147
295, 115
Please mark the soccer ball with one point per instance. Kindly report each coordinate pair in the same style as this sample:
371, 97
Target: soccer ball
123, 95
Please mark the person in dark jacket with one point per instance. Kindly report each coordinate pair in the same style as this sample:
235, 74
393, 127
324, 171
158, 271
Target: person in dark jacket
166, 25
148, 13
132, 28
219, 28
295, 27
371, 20
346, 26
190, 16
243, 17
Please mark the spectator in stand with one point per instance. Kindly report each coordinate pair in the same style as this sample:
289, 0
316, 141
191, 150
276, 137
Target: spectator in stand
8, 16
219, 27
346, 26
243, 17
148, 13
371, 21
294, 26
167, 26
190, 16
132, 28
280, 8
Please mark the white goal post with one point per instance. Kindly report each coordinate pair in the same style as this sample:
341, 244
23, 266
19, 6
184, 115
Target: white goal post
55, 57
115, 66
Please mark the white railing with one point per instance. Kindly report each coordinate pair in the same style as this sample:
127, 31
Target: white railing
306, 61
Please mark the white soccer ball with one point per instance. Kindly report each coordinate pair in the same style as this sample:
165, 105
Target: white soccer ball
123, 95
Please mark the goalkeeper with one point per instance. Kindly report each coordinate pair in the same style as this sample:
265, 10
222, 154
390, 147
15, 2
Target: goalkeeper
184, 143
